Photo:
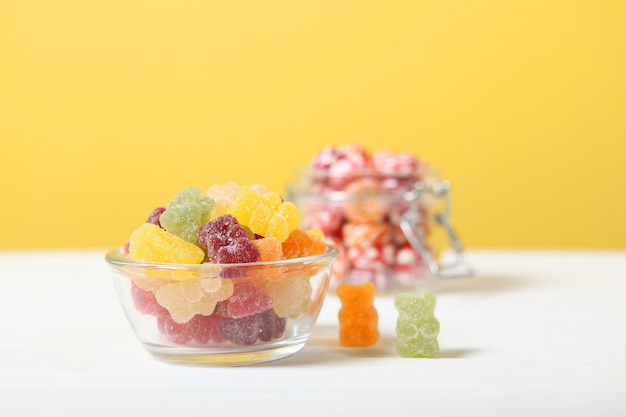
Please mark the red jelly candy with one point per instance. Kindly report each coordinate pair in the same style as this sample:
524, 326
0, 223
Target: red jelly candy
174, 332
145, 302
244, 331
155, 216
271, 326
264, 326
204, 328
247, 299
226, 241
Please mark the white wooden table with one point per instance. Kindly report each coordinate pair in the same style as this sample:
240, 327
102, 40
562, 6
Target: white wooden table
534, 333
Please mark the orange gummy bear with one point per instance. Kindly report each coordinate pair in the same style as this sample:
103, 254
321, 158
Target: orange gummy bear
270, 249
300, 243
358, 318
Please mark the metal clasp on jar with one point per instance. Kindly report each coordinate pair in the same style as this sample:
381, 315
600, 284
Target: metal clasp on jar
457, 266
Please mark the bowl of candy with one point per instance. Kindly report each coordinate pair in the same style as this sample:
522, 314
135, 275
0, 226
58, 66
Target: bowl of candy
386, 212
225, 277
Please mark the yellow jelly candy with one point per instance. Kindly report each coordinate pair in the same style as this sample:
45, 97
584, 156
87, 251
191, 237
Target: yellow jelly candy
224, 195
265, 213
185, 299
150, 243
290, 296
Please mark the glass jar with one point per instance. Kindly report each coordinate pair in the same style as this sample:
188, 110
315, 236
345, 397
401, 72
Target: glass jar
392, 230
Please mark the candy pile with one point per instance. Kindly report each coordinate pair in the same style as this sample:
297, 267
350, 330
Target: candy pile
357, 199
230, 225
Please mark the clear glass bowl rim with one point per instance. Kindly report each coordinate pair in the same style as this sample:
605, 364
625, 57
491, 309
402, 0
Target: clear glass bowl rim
115, 259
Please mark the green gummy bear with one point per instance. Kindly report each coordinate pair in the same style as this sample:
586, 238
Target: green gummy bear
417, 327
186, 213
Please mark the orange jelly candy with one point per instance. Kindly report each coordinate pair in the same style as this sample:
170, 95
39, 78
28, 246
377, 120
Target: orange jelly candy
270, 249
300, 243
358, 318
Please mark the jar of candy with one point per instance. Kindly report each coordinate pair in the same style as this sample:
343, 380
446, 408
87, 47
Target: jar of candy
386, 213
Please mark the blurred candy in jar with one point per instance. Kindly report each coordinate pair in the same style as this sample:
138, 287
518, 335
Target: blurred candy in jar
408, 266
338, 164
325, 217
366, 234
365, 210
358, 199
371, 264
341, 266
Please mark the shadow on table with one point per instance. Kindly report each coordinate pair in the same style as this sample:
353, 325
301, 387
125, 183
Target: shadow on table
323, 347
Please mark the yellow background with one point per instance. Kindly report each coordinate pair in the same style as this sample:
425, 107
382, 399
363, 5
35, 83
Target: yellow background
109, 108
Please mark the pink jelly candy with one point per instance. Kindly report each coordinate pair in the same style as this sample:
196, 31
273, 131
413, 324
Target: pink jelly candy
247, 300
155, 216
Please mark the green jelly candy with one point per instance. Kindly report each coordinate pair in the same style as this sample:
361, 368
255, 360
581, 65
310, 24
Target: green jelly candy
186, 213
417, 327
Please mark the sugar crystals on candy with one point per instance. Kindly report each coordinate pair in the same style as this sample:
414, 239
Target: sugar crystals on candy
300, 243
232, 225
247, 299
290, 295
187, 211
417, 328
223, 195
270, 249
358, 318
150, 243
265, 213
184, 299
226, 241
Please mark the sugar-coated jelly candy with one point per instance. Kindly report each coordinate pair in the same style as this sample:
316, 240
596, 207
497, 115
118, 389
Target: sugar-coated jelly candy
264, 213
226, 241
300, 243
417, 327
155, 216
247, 299
358, 318
262, 326
184, 299
223, 195
203, 329
270, 249
187, 211
271, 326
145, 302
290, 295
150, 243
173, 331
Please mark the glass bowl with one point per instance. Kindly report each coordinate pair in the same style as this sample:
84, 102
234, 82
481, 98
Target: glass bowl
222, 314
